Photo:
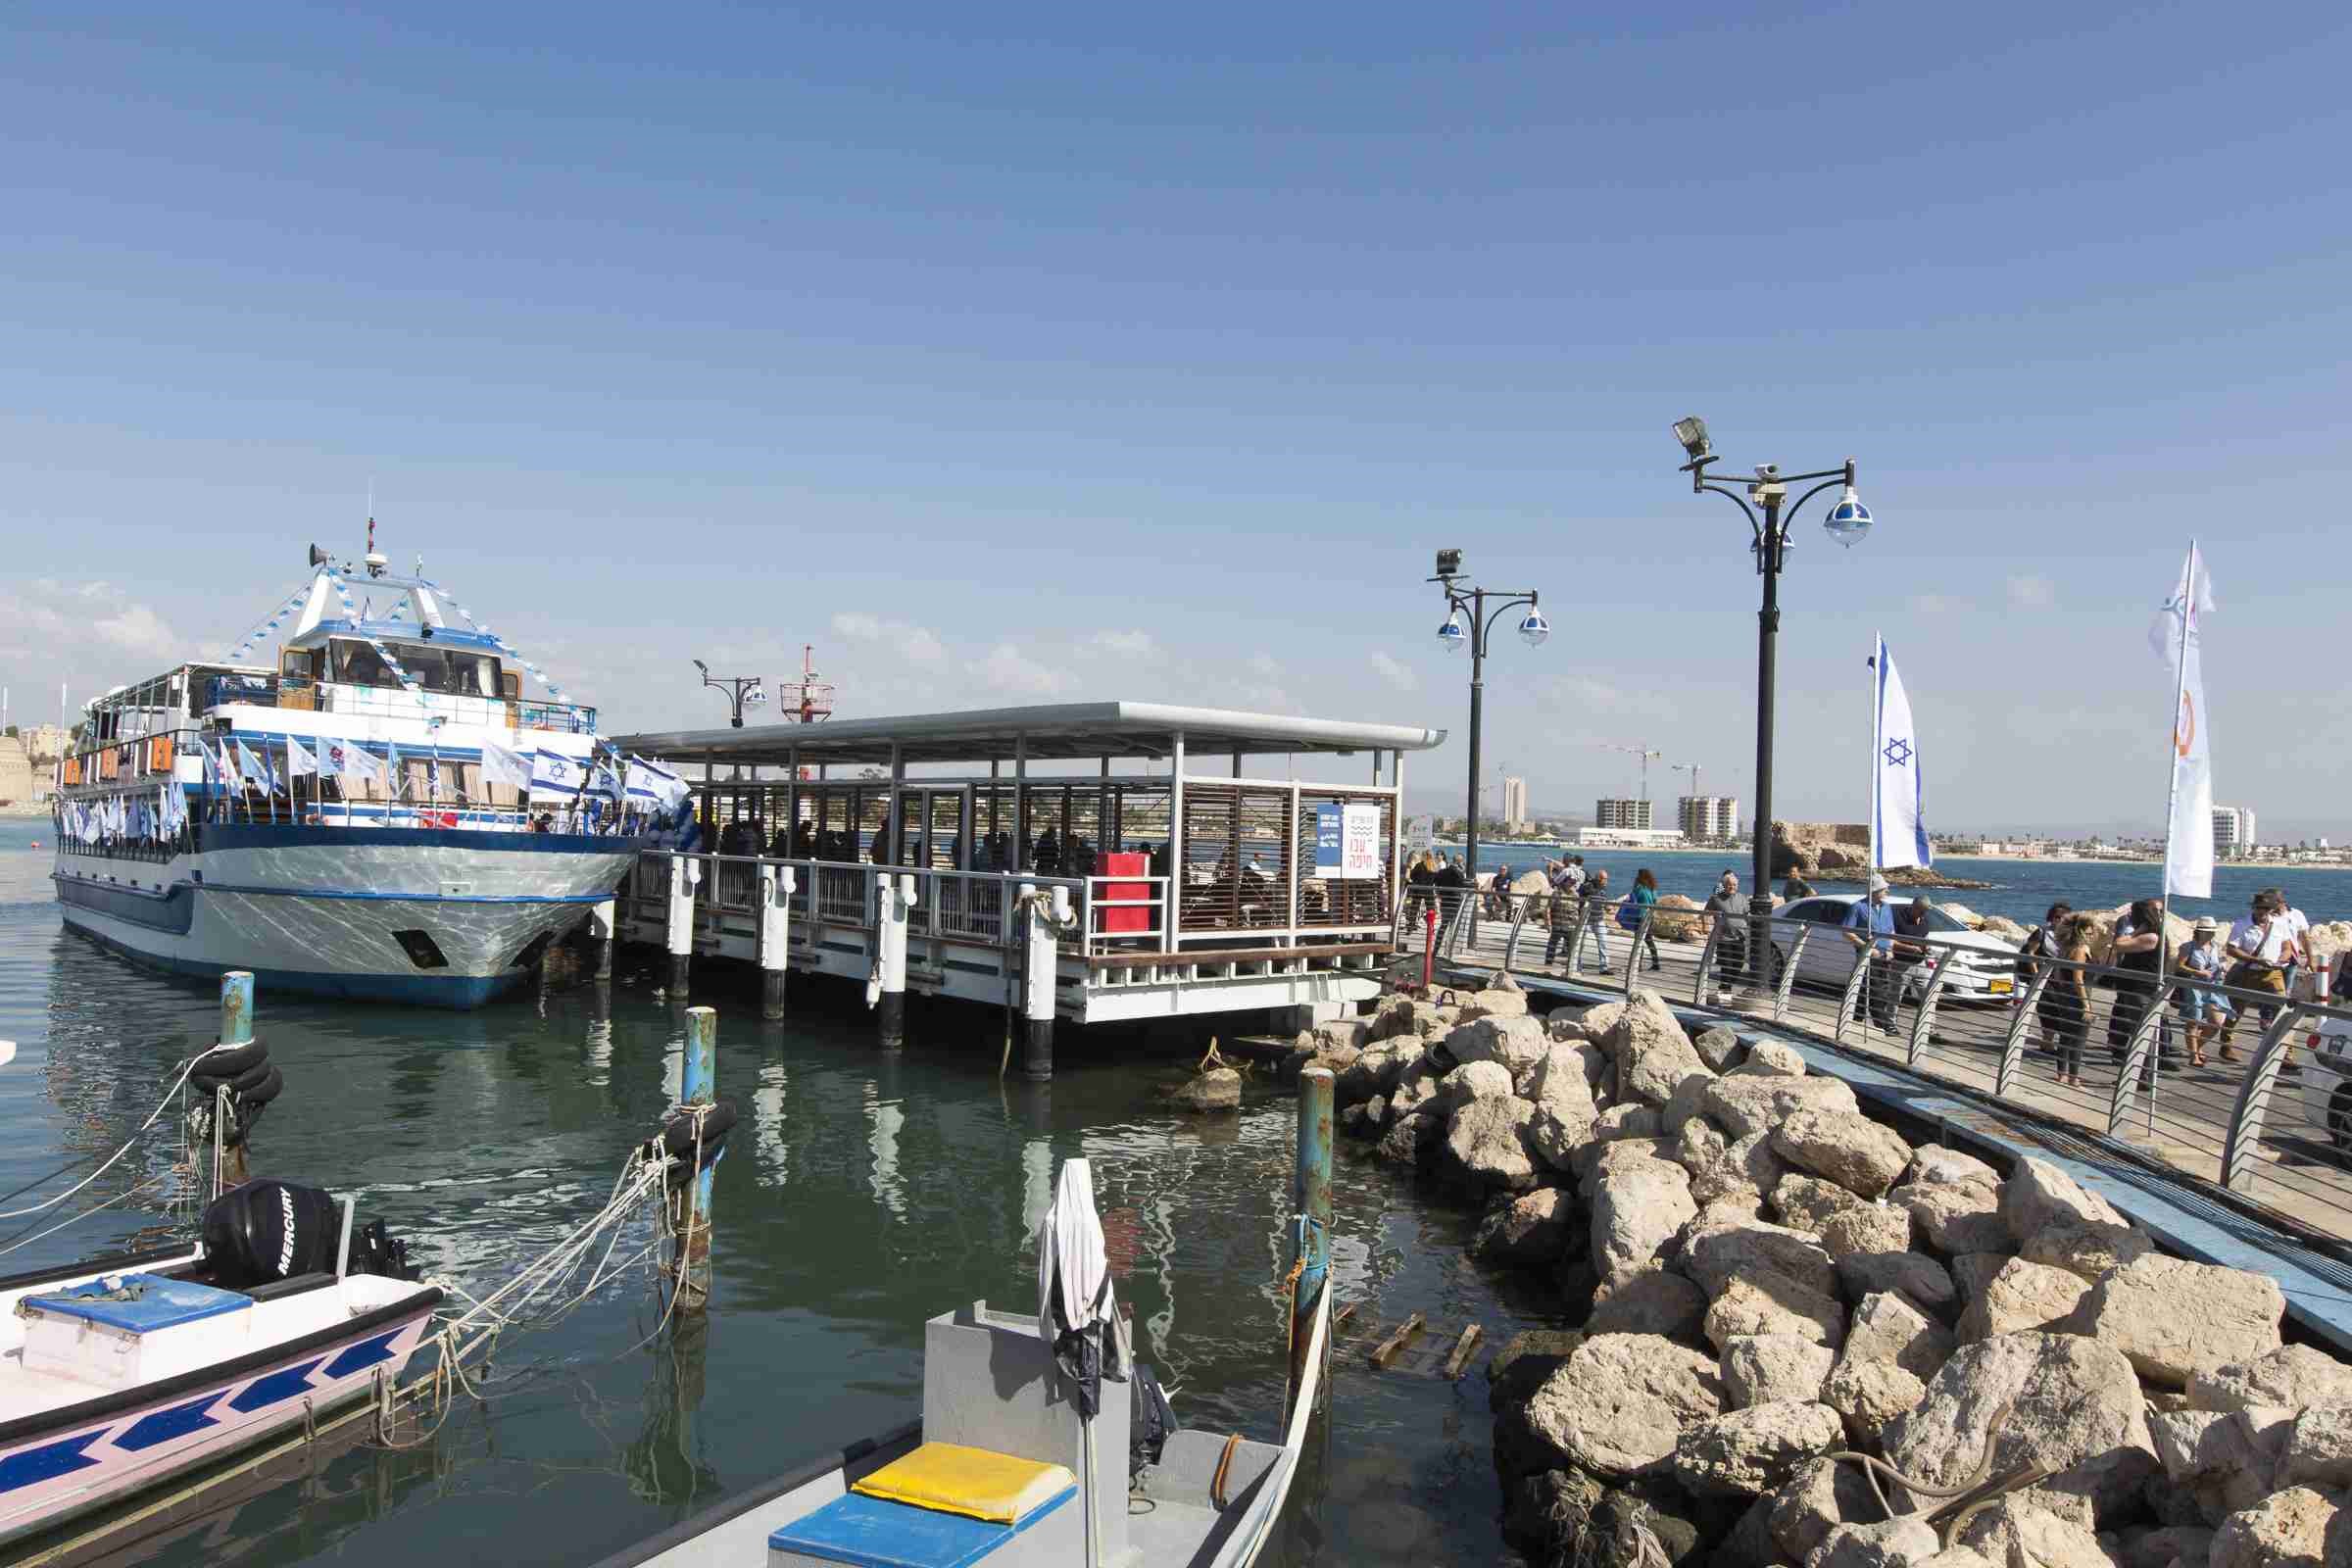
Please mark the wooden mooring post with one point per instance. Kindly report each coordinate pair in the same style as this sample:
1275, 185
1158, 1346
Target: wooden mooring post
691, 1203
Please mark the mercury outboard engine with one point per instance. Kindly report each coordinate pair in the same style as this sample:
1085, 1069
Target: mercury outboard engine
266, 1230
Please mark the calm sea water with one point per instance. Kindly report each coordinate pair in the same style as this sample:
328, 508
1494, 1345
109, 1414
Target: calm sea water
867, 1193
2021, 890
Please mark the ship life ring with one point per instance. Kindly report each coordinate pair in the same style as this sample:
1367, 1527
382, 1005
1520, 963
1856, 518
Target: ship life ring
158, 755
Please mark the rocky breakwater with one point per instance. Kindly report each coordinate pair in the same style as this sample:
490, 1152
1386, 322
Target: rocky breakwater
1775, 1289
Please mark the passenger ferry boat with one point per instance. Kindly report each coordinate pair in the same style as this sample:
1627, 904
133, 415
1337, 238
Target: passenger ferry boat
382, 814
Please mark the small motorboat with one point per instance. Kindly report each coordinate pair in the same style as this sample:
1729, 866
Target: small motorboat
118, 1372
1022, 1456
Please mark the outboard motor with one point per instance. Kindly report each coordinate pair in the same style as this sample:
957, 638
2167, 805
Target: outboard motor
266, 1230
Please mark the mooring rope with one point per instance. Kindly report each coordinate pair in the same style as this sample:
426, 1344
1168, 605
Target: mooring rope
129, 1144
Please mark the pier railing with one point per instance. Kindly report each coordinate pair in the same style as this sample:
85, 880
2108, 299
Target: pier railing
2074, 1048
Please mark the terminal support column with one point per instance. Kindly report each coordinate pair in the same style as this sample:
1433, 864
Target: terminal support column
684, 875
894, 899
603, 930
1040, 964
776, 885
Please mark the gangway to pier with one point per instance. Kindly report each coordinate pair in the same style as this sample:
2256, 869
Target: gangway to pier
1200, 873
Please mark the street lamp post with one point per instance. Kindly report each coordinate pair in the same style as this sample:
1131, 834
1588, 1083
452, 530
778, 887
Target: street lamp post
1532, 627
739, 690
1769, 520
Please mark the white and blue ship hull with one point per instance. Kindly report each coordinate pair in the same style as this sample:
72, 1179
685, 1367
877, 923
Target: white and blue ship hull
438, 916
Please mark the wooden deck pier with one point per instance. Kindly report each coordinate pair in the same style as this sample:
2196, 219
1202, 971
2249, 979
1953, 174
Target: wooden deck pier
930, 856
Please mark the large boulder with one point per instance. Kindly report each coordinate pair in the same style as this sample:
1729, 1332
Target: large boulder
1498, 1001
1372, 1071
1866, 1228
1808, 1202
1749, 1452
1768, 1368
2318, 1452
1563, 1095
1649, 1301
1719, 1046
2296, 1376
1761, 1302
1884, 1327
1843, 1145
2073, 1407
1219, 1089
2024, 1296
1955, 1216
1475, 1080
1867, 1394
1484, 1147
1818, 1498
2015, 1530
1746, 1169
1653, 1055
1531, 1230
1757, 1103
1901, 1543
1619, 1404
2225, 1462
1918, 1279
1675, 919
2175, 1319
1713, 1253
2288, 1529
1408, 1136
2038, 1194
1517, 1041
1639, 1209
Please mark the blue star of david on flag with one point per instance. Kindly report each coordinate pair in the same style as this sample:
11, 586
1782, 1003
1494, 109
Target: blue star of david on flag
1898, 752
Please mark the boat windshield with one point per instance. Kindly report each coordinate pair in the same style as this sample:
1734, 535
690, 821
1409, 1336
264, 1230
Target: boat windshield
457, 671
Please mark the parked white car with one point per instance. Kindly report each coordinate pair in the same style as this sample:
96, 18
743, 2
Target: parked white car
1985, 967
2327, 1075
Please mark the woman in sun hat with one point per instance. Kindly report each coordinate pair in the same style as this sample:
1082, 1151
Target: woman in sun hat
2203, 1006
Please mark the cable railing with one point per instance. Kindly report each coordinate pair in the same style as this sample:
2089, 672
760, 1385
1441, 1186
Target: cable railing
2244, 1087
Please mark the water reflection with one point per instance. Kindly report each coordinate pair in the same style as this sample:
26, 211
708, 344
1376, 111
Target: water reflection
863, 1193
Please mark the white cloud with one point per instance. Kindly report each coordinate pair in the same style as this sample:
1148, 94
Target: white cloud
140, 630
2031, 591
1934, 604
1395, 672
1132, 644
919, 645
1007, 668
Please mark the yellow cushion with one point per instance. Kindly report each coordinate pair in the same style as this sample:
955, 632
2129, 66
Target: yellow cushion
973, 1482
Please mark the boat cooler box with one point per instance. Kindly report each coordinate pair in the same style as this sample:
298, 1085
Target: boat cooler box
1135, 917
129, 1329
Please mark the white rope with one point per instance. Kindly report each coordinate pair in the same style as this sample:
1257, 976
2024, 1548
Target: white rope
161, 1106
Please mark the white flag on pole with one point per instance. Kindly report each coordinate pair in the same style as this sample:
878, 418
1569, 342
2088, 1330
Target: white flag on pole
2189, 815
356, 764
1898, 805
300, 760
504, 765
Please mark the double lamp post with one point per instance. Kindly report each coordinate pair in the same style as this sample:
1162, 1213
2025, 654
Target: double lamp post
1770, 517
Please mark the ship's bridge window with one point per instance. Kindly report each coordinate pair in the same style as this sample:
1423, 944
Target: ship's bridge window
454, 671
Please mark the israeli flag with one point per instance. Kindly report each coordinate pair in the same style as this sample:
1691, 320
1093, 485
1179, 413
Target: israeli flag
556, 777
256, 770
655, 788
356, 768
1898, 802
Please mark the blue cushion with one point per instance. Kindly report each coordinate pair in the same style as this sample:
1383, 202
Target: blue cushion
142, 1303
874, 1533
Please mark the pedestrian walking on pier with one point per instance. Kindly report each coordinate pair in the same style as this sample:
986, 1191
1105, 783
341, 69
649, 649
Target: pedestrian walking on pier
1870, 926
2044, 942
1596, 900
2259, 951
2204, 1008
1645, 902
1731, 909
1566, 908
2139, 951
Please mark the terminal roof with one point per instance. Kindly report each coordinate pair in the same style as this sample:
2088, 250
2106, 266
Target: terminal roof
1052, 730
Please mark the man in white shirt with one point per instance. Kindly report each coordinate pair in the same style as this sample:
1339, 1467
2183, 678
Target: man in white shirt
2260, 946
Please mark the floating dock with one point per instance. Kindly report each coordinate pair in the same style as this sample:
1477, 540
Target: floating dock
1183, 869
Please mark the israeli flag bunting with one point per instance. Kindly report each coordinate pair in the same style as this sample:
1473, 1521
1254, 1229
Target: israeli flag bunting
1898, 808
554, 778
503, 766
256, 770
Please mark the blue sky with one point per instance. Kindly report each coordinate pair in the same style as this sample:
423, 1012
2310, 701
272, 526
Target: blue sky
1074, 351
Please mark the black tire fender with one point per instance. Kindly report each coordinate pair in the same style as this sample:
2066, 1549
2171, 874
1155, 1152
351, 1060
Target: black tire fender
221, 1066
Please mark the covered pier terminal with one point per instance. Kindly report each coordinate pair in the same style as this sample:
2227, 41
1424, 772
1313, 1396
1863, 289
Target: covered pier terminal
1084, 861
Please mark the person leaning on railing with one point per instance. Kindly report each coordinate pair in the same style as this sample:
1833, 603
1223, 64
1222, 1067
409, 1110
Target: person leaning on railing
2139, 954
1732, 911
1870, 926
